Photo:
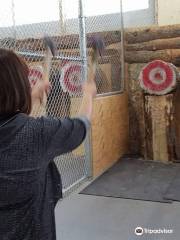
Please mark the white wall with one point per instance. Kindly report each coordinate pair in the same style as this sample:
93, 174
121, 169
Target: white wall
168, 12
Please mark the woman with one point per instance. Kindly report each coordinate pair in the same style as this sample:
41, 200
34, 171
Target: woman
30, 185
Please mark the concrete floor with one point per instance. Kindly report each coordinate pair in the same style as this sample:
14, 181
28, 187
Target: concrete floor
83, 217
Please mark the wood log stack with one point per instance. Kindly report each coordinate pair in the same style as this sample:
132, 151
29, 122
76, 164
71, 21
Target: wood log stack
148, 44
154, 118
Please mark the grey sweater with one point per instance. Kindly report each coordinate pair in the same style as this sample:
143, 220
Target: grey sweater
30, 184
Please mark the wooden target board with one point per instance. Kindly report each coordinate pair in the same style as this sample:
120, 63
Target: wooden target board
70, 78
35, 75
158, 77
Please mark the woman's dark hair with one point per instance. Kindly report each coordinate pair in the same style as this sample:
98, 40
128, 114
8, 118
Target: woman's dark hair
15, 90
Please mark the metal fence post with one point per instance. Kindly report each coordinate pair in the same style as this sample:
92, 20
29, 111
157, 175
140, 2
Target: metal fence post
83, 54
14, 24
122, 48
82, 39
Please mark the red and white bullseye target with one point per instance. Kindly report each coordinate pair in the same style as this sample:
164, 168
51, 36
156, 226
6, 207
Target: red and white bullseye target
70, 79
35, 74
158, 77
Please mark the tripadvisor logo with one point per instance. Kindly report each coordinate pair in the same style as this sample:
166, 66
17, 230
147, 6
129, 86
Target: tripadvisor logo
139, 231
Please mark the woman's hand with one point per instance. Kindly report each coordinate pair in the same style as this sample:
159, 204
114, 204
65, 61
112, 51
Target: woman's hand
40, 91
39, 95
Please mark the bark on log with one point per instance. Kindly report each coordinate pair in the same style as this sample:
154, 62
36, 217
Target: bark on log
159, 119
169, 55
159, 44
151, 33
177, 125
136, 111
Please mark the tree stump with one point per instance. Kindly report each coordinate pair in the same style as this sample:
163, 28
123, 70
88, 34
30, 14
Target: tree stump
159, 130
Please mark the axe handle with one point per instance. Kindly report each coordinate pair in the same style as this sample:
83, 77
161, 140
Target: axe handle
47, 65
94, 61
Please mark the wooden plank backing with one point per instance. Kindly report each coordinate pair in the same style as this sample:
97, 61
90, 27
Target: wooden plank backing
110, 129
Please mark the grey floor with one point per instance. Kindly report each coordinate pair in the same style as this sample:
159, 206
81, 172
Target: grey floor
83, 217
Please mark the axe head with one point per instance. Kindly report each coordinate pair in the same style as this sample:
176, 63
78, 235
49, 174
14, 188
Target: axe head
98, 45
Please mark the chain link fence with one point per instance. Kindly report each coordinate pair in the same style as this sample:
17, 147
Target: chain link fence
23, 25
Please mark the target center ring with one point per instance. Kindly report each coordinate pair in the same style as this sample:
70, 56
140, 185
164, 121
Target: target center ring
157, 75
